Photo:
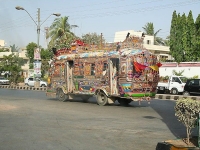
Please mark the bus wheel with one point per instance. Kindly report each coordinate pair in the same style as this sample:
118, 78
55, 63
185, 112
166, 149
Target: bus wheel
124, 101
102, 98
61, 96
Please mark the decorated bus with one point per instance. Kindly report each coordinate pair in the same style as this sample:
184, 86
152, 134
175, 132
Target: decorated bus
122, 72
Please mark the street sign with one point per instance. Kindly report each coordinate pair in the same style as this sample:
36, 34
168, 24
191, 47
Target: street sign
37, 68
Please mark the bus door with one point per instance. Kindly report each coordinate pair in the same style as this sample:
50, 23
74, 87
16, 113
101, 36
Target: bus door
113, 71
69, 76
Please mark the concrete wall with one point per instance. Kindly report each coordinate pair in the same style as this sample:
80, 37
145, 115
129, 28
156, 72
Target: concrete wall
191, 69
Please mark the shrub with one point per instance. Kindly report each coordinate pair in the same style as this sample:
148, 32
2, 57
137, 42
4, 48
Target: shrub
187, 110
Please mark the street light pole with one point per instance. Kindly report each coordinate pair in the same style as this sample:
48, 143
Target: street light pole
38, 28
37, 24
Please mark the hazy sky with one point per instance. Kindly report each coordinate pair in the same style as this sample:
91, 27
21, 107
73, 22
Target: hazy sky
105, 16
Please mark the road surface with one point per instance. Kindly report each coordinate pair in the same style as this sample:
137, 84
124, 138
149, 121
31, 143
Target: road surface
31, 121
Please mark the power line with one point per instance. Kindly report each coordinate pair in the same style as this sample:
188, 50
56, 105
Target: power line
105, 14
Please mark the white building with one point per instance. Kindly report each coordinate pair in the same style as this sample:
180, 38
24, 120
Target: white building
189, 69
148, 43
2, 43
21, 54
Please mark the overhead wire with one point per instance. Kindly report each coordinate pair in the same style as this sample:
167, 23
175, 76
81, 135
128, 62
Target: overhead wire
110, 13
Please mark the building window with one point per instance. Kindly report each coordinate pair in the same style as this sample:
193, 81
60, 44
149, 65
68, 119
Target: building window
148, 42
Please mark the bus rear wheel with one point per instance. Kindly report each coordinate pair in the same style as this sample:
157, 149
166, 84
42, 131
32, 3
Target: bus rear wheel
124, 101
102, 98
61, 96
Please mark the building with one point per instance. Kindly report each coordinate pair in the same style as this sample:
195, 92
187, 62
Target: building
2, 43
148, 43
188, 69
21, 54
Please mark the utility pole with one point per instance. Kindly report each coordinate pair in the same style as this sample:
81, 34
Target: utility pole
38, 28
37, 57
46, 33
101, 40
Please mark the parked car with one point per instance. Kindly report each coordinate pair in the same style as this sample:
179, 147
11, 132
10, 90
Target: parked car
4, 81
192, 87
174, 85
31, 82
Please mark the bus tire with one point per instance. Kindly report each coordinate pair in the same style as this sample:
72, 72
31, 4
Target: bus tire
61, 96
124, 101
102, 98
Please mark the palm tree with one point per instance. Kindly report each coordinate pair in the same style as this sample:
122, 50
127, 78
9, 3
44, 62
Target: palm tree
14, 48
59, 33
149, 30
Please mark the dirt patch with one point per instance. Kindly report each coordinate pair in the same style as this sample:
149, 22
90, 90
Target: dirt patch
182, 142
4, 107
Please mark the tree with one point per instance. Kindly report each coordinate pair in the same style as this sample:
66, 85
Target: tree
4, 49
190, 51
149, 30
183, 37
46, 55
187, 110
176, 33
60, 34
175, 51
180, 73
30, 53
14, 48
167, 40
12, 64
92, 38
197, 35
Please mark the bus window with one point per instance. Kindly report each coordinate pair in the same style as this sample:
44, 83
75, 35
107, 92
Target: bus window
105, 66
92, 69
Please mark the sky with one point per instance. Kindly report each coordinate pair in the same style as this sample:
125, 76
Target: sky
105, 16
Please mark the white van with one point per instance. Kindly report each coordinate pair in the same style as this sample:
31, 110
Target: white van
174, 85
31, 82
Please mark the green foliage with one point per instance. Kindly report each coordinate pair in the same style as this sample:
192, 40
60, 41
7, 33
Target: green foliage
12, 64
166, 78
187, 111
195, 77
184, 38
46, 55
14, 48
173, 36
92, 38
163, 78
60, 34
4, 50
190, 52
149, 30
30, 52
180, 73
197, 35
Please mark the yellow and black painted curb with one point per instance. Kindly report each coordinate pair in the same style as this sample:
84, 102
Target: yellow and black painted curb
23, 87
174, 97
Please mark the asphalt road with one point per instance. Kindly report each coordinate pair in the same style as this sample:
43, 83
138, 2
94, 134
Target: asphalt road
31, 121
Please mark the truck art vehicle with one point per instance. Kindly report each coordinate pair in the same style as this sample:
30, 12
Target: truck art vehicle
124, 72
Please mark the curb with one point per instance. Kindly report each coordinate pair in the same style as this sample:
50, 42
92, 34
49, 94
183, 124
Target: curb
174, 97
23, 87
